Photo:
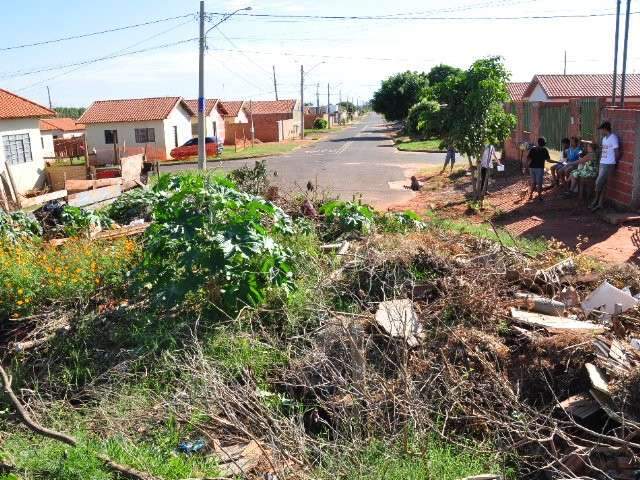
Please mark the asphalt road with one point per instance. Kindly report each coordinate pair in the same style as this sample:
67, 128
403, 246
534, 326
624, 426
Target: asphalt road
359, 160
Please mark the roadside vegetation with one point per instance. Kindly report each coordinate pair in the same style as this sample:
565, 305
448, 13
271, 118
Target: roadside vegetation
428, 145
242, 320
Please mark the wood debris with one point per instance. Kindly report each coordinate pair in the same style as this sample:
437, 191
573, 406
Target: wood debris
553, 323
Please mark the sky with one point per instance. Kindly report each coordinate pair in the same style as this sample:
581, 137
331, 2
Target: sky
353, 56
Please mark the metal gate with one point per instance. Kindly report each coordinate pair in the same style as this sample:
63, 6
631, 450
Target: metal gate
588, 118
554, 124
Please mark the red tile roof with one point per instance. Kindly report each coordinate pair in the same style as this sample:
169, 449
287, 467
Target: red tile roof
131, 110
588, 85
63, 124
232, 107
517, 89
272, 106
193, 105
14, 106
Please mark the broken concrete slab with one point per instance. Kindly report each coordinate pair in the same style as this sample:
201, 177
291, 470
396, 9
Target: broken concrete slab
399, 320
543, 305
553, 323
581, 405
597, 377
609, 300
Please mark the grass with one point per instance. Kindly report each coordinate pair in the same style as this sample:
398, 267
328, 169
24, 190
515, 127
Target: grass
427, 459
259, 150
432, 144
529, 246
316, 131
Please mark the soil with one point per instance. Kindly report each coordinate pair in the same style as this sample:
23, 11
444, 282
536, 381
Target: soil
565, 219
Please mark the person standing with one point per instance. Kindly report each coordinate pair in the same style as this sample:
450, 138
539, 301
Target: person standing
536, 158
608, 161
449, 159
486, 164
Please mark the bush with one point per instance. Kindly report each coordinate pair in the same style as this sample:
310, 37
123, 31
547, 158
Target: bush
210, 240
18, 226
346, 217
251, 180
424, 119
35, 274
320, 123
132, 205
78, 221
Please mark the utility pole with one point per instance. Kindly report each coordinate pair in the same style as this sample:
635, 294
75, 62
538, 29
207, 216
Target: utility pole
624, 54
565, 62
615, 54
202, 148
318, 99
49, 95
275, 83
302, 101
328, 105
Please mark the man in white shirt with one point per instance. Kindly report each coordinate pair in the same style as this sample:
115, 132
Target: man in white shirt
608, 161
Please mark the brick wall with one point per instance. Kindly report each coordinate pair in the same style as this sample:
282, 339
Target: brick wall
237, 131
309, 118
623, 188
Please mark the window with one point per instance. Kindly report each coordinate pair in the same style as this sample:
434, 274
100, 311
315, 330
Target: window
110, 137
17, 148
145, 135
175, 135
42, 141
194, 129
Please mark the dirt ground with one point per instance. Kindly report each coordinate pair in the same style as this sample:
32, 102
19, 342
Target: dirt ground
565, 219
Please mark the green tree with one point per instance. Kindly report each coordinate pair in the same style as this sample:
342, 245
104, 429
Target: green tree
440, 73
348, 107
425, 119
71, 112
399, 93
474, 115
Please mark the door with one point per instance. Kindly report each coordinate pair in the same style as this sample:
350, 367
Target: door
175, 136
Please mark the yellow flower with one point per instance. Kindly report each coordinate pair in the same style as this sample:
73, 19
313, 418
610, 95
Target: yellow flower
20, 291
19, 302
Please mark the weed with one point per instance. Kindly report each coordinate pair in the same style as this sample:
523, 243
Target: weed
18, 226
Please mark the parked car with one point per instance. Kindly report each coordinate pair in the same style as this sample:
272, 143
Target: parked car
214, 148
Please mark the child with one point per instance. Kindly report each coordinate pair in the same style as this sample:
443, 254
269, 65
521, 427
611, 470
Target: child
536, 158
450, 158
557, 168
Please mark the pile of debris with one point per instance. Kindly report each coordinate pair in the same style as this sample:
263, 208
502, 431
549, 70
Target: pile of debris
481, 344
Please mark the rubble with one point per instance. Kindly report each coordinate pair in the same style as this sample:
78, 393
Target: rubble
554, 324
398, 318
609, 300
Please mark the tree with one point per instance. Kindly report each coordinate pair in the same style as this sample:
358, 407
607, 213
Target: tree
440, 73
71, 112
474, 115
398, 94
425, 119
348, 107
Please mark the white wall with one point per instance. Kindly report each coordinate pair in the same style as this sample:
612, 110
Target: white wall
126, 136
179, 117
47, 144
26, 176
214, 117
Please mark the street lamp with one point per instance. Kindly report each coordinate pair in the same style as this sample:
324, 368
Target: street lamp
202, 148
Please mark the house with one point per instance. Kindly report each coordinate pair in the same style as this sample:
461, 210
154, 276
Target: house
214, 118
139, 125
516, 90
21, 151
58, 128
561, 88
275, 120
235, 111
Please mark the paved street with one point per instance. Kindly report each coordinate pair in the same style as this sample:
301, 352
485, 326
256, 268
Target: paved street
358, 160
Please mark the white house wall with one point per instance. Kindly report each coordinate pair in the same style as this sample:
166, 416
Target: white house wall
214, 117
126, 136
30, 175
46, 141
180, 118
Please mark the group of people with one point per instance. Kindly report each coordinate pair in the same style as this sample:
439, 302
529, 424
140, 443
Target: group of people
579, 160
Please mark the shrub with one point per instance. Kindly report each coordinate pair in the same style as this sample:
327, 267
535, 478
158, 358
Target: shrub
346, 217
400, 222
320, 123
35, 274
18, 226
78, 221
132, 205
251, 180
211, 240
424, 119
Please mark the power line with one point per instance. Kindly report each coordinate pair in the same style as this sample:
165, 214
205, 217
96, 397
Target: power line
420, 18
98, 59
85, 35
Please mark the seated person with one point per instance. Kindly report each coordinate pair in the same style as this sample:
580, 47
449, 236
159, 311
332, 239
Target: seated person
555, 169
586, 167
574, 153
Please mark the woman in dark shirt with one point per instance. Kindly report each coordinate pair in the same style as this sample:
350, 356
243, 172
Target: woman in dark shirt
536, 158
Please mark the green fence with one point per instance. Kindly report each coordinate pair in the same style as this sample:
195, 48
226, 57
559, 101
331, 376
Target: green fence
554, 124
588, 118
526, 116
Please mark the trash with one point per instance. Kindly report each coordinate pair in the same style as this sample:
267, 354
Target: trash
540, 304
399, 319
605, 298
553, 323
581, 405
192, 447
239, 459
635, 343
569, 296
597, 378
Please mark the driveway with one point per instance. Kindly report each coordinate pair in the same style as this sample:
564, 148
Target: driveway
358, 160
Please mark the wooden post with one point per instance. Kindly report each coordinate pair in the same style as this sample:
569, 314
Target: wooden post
4, 197
16, 195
